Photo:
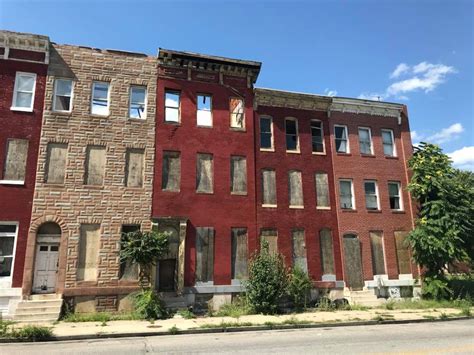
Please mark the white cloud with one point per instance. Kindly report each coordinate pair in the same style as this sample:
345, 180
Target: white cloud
463, 158
399, 70
328, 92
446, 134
415, 136
371, 96
423, 76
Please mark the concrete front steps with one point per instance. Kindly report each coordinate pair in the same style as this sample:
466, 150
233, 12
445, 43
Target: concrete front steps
39, 309
173, 301
364, 298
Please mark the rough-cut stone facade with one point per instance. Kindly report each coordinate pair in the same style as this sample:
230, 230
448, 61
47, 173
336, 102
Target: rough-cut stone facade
111, 204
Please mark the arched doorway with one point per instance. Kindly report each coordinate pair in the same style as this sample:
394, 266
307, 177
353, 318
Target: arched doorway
353, 262
48, 239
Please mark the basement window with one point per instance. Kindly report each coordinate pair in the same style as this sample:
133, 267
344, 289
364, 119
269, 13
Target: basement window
137, 102
204, 110
62, 99
172, 106
24, 92
100, 98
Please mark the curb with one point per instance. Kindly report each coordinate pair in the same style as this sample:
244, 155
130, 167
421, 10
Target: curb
233, 329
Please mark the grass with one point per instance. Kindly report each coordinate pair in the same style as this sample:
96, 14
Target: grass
225, 325
173, 330
235, 309
26, 333
102, 317
186, 314
295, 321
427, 304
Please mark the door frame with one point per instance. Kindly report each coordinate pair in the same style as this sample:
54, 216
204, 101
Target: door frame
49, 240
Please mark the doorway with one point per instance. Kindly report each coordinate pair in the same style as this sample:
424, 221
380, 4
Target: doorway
353, 262
46, 258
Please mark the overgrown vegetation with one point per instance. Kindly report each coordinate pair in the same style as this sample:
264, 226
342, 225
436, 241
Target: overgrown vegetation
428, 304
239, 307
267, 283
100, 317
149, 305
26, 333
299, 287
186, 314
445, 224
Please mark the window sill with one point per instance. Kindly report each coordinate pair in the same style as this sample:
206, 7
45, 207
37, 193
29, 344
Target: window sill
239, 193
172, 191
323, 208
269, 206
267, 150
296, 207
293, 152
391, 157
201, 126
61, 113
374, 211
344, 154
95, 115
398, 211
350, 210
133, 119
236, 129
172, 123
12, 182
205, 193
22, 109
367, 155
318, 153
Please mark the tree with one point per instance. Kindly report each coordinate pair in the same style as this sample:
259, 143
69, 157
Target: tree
144, 249
444, 226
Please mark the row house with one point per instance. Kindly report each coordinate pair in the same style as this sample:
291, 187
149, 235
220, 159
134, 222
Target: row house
97, 143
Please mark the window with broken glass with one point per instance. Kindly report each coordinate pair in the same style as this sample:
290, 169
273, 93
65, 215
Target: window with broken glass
62, 99
172, 106
204, 110
137, 102
342, 142
291, 130
317, 136
237, 116
8, 234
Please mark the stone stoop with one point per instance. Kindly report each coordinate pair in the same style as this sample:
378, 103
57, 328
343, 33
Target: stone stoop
39, 309
364, 298
174, 302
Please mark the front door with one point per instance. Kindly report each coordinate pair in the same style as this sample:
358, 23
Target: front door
167, 275
46, 268
353, 262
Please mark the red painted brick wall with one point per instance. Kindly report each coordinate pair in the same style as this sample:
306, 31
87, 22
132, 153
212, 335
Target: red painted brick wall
381, 169
283, 218
220, 210
16, 200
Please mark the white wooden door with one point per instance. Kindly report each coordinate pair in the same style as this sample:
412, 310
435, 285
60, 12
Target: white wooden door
46, 268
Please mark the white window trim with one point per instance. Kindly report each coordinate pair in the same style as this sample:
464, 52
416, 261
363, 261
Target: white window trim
272, 148
12, 182
5, 281
370, 140
297, 150
322, 132
393, 142
108, 97
25, 109
197, 109
399, 195
130, 102
54, 95
376, 195
352, 195
348, 150
176, 92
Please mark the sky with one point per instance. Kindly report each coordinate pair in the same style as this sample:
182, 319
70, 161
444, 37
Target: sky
419, 53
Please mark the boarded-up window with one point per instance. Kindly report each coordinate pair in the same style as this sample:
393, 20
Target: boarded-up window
299, 249
376, 245
403, 253
239, 253
55, 163
327, 252
322, 190
238, 173
171, 174
129, 270
15, 160
134, 167
295, 188
271, 237
95, 165
89, 244
204, 254
269, 187
237, 116
204, 173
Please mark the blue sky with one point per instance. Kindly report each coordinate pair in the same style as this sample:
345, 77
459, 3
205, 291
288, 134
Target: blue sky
415, 52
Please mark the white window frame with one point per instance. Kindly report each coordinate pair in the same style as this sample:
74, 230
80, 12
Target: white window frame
55, 94
175, 92
322, 136
348, 147
352, 194
15, 92
376, 195
370, 141
108, 97
272, 148
393, 142
400, 198
145, 103
297, 150
197, 110
6, 281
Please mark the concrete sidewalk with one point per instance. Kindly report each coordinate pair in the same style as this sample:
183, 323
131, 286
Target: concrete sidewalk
176, 325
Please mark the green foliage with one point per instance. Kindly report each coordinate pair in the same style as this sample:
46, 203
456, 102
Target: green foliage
5, 327
102, 317
445, 222
26, 333
186, 314
144, 249
299, 287
239, 307
173, 330
267, 281
462, 286
325, 305
436, 287
149, 305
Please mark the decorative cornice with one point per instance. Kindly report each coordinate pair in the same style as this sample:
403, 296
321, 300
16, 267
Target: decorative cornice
24, 42
288, 99
357, 106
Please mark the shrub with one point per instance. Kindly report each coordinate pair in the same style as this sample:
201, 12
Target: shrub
149, 305
267, 281
186, 314
324, 304
238, 307
299, 287
462, 286
436, 288
26, 333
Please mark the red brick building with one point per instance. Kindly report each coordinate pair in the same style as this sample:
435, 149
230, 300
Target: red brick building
23, 68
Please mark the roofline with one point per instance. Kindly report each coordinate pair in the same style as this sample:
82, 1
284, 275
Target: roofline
316, 96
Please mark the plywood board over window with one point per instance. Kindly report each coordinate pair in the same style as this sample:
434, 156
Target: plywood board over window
269, 187
327, 252
295, 188
299, 249
270, 236
56, 163
238, 172
378, 260
15, 160
95, 165
239, 253
134, 167
322, 190
89, 245
204, 173
403, 252
171, 173
204, 254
